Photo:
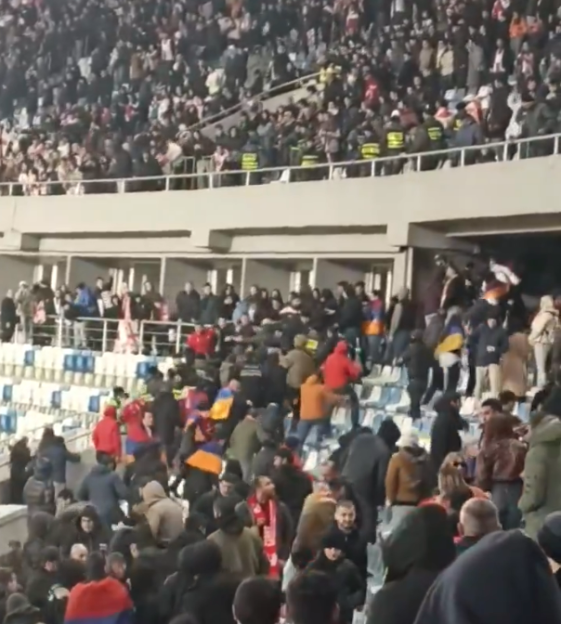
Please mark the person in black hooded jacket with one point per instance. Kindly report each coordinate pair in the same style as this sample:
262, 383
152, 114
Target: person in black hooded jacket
445, 434
167, 420
274, 379
414, 555
20, 456
350, 584
87, 530
365, 469
40, 527
147, 466
292, 485
504, 578
199, 588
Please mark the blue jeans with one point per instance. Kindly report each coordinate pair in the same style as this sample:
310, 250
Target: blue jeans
375, 349
305, 426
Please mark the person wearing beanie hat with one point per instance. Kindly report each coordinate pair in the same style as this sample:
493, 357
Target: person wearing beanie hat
106, 435
350, 584
549, 540
491, 342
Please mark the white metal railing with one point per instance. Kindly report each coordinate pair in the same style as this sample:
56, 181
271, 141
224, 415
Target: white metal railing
260, 97
458, 156
104, 334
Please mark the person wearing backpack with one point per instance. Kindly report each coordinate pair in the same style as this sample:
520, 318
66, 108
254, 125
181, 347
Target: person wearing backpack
410, 477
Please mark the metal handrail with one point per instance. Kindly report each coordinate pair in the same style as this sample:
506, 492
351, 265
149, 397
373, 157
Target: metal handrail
255, 176
259, 97
103, 333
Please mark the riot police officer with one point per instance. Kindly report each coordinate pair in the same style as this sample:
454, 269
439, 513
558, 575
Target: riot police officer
394, 143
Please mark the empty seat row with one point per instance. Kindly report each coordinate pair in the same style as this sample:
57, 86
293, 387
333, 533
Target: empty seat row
76, 366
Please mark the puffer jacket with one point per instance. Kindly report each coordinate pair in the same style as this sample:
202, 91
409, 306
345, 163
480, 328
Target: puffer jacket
542, 487
38, 492
544, 323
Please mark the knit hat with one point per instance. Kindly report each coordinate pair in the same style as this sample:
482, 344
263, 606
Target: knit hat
334, 538
549, 536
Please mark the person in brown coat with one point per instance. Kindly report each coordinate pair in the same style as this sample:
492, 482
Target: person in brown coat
514, 365
317, 517
299, 365
164, 515
499, 467
410, 477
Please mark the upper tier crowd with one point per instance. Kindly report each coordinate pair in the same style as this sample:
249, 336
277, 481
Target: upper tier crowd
104, 91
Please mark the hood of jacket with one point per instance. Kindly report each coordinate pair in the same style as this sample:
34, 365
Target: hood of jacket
341, 348
545, 430
546, 304
153, 492
18, 604
389, 432
89, 512
402, 294
203, 557
422, 540
414, 454
522, 587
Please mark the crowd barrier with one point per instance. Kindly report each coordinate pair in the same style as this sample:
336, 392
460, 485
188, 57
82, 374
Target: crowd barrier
104, 334
389, 165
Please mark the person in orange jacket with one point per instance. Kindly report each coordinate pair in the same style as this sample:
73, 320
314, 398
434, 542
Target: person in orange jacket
316, 402
339, 374
106, 436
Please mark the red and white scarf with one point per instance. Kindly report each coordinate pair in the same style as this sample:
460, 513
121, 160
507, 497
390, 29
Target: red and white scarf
268, 532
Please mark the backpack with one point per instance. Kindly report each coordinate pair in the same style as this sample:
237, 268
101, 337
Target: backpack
424, 478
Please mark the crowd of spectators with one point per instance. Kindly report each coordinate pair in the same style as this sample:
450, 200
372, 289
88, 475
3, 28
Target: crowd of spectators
205, 512
99, 91
95, 90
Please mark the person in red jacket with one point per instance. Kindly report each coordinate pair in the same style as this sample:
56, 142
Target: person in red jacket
106, 435
139, 423
201, 341
339, 374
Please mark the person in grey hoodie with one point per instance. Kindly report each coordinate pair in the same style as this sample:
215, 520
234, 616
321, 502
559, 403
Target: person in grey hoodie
103, 488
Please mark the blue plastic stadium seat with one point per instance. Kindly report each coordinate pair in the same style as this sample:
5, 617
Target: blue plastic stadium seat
94, 403
69, 364
29, 358
7, 393
56, 399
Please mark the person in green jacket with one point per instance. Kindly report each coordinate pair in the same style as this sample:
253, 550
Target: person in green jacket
542, 472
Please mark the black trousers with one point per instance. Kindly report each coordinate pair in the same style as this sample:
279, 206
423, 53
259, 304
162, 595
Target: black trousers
416, 390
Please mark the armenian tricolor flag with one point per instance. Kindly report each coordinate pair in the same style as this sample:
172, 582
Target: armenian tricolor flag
220, 409
453, 338
207, 452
